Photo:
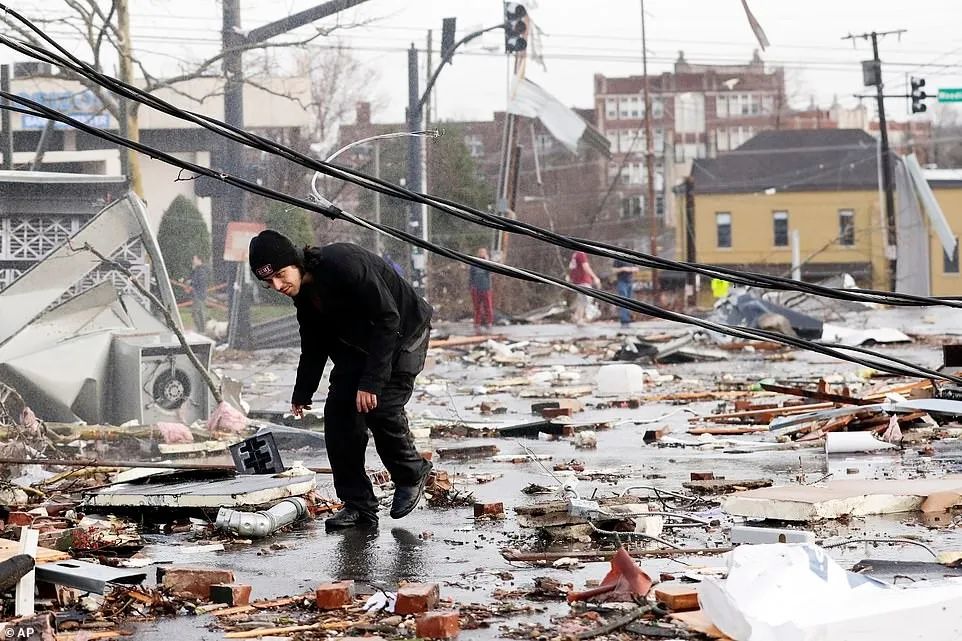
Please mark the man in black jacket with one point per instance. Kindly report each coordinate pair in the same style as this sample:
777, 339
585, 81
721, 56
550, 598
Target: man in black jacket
353, 308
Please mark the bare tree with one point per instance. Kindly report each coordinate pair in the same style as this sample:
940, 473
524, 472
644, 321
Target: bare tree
103, 30
338, 82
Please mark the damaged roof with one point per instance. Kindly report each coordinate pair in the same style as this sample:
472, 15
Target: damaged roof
795, 160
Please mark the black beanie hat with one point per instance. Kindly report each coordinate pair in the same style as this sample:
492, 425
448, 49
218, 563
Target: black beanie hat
270, 252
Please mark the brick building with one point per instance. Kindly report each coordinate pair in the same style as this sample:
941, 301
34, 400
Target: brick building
557, 189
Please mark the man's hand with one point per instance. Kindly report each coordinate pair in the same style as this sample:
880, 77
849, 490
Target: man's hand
366, 401
298, 410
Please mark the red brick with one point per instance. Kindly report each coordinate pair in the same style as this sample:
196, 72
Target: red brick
555, 412
702, 476
230, 594
489, 510
361, 639
438, 624
193, 580
330, 596
413, 598
20, 518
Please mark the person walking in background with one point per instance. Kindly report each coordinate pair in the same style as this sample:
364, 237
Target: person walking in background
479, 280
624, 285
199, 280
580, 273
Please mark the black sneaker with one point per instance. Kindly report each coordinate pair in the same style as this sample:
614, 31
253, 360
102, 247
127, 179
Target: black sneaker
406, 497
349, 517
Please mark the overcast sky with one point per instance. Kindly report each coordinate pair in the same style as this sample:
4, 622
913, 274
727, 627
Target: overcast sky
582, 38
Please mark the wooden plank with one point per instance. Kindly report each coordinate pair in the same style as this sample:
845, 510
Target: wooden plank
815, 394
602, 555
461, 341
698, 621
766, 414
262, 604
27, 584
10, 548
678, 597
727, 430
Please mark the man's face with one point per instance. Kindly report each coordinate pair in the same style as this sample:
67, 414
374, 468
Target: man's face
483, 253
286, 281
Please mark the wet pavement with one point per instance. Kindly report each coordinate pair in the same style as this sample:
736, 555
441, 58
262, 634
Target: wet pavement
449, 547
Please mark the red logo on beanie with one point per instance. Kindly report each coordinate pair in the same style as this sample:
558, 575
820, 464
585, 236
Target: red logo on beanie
264, 271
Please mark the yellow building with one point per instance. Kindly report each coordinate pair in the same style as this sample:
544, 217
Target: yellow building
821, 184
742, 210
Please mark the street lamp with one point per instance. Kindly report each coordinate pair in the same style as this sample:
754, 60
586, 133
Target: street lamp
431, 133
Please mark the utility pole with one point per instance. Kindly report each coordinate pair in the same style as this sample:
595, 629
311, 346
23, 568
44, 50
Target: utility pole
649, 158
872, 76
416, 214
228, 203
128, 124
5, 120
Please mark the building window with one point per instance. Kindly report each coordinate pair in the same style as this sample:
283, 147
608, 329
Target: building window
657, 108
545, 143
846, 227
611, 108
780, 227
631, 207
723, 228
950, 264
721, 106
475, 145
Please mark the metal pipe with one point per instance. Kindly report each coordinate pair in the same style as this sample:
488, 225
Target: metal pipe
263, 523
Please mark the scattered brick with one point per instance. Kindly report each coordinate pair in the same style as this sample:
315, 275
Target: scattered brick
414, 598
702, 476
230, 594
438, 624
489, 510
555, 412
193, 579
330, 596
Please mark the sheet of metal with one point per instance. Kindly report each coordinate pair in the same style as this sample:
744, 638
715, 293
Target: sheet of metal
243, 490
90, 577
28, 296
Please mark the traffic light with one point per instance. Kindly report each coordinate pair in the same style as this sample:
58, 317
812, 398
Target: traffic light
515, 27
918, 95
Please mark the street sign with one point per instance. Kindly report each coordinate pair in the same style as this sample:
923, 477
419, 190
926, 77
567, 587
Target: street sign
950, 95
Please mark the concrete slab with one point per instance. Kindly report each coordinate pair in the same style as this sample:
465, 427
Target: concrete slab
835, 499
246, 490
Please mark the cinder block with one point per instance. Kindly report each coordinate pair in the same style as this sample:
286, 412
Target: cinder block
489, 510
230, 594
753, 535
414, 598
438, 624
330, 596
193, 580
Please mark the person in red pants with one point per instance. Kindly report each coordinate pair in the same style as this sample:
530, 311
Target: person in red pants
479, 280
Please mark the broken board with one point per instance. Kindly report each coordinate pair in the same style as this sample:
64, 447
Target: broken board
243, 490
836, 499
10, 548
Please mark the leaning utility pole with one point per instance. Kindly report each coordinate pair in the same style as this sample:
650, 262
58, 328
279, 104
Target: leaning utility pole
649, 158
872, 76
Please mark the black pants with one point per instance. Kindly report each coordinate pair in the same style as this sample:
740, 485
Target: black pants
346, 431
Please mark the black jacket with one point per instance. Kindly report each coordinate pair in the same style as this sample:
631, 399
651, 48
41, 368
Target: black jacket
359, 313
